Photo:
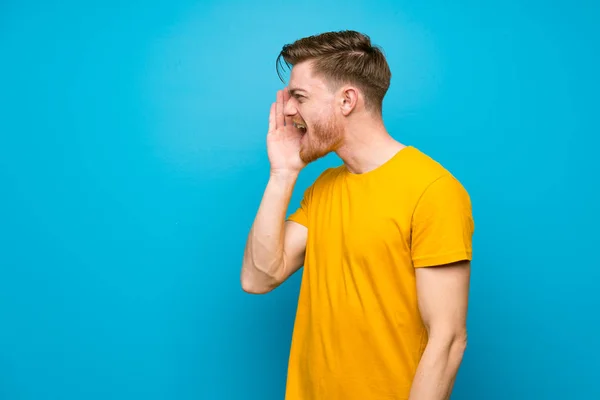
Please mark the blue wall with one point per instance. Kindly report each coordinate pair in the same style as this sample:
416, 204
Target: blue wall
132, 161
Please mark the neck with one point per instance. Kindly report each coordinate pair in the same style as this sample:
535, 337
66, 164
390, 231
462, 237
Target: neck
367, 145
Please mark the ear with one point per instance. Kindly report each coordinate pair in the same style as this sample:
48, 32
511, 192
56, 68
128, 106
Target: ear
348, 99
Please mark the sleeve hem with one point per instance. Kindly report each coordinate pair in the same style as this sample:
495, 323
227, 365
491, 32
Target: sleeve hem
441, 259
297, 219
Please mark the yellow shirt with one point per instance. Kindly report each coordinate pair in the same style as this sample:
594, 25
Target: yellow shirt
358, 333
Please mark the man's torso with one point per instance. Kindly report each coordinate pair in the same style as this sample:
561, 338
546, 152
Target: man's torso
358, 332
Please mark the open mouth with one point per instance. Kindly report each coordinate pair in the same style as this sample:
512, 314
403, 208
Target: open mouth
300, 126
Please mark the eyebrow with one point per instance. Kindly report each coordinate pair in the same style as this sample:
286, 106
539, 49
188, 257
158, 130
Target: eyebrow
293, 91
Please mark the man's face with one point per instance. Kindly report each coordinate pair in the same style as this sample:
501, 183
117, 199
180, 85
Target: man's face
312, 108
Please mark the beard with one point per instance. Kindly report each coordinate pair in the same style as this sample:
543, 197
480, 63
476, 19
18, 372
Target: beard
322, 140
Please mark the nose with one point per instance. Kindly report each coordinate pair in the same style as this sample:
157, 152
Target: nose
289, 110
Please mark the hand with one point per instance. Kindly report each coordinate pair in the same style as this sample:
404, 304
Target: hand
283, 139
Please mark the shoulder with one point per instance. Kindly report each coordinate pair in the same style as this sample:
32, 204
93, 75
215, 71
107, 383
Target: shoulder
430, 176
425, 167
319, 184
326, 178
441, 201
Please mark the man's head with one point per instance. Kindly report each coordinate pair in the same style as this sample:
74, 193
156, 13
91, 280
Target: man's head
335, 76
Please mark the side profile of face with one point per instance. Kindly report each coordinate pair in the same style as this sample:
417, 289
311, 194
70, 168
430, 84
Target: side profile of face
312, 108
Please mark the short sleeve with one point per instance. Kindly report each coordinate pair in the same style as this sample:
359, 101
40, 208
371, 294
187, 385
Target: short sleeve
300, 215
442, 224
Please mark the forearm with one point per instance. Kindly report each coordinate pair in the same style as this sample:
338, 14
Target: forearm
264, 252
436, 372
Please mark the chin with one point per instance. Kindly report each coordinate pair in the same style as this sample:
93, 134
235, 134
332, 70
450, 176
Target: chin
308, 155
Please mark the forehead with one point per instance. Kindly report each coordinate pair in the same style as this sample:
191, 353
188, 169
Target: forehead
303, 78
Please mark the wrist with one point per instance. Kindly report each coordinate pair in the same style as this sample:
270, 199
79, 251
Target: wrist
284, 175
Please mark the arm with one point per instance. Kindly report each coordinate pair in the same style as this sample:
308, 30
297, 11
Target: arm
275, 248
442, 293
442, 231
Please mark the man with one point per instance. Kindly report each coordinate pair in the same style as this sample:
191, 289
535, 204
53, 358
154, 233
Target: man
385, 238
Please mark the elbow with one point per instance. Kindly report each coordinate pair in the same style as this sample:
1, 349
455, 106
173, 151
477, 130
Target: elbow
251, 287
453, 343
459, 346
255, 282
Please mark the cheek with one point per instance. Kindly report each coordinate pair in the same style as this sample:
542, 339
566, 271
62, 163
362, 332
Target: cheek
304, 112
309, 111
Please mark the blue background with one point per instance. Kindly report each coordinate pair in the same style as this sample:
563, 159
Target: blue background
132, 162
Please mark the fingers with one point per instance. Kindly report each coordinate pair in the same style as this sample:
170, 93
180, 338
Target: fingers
286, 98
272, 122
279, 117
